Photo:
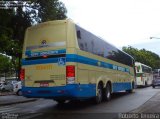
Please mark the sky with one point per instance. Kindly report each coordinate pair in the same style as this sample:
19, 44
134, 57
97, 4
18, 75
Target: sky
120, 22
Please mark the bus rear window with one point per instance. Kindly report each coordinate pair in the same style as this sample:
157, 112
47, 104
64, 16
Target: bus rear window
45, 37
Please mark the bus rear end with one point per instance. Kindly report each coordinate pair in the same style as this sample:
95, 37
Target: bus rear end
44, 61
139, 75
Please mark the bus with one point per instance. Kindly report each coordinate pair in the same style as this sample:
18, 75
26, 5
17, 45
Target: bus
62, 61
156, 73
144, 75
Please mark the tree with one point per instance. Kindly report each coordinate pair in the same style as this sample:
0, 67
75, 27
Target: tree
14, 22
50, 10
146, 57
5, 65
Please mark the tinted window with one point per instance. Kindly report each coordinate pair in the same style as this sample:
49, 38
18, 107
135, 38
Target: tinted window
95, 45
156, 71
146, 69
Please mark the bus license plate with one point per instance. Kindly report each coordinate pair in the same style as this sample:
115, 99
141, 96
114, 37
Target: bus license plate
44, 84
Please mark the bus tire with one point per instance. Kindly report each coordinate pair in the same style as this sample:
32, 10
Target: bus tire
146, 84
98, 98
19, 92
129, 91
107, 92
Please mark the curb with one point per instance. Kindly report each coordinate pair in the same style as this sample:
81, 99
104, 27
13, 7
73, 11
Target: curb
24, 101
5, 94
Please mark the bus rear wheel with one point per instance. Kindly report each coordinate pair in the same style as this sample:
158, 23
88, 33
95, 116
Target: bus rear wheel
98, 98
107, 92
146, 84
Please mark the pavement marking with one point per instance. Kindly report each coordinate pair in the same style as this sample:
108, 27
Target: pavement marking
26, 116
8, 109
3, 108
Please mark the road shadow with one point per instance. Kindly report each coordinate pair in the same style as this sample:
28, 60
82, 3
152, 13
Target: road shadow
82, 104
81, 109
156, 87
142, 87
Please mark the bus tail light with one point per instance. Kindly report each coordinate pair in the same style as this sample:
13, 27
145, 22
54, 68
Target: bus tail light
70, 74
22, 74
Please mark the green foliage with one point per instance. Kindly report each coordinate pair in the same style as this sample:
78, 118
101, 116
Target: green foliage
146, 57
50, 10
5, 64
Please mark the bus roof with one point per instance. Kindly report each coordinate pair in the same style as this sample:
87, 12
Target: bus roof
139, 63
39, 25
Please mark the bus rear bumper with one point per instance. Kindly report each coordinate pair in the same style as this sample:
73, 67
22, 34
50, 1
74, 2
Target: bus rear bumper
71, 91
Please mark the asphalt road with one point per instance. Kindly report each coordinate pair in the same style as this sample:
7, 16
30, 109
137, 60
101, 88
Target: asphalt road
120, 103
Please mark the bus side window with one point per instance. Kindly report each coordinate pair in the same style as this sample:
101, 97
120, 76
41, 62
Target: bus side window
81, 46
86, 47
79, 34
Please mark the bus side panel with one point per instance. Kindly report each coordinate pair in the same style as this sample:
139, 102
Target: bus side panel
94, 67
139, 81
125, 79
149, 79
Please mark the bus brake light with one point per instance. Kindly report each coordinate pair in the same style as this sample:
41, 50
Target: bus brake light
70, 74
22, 74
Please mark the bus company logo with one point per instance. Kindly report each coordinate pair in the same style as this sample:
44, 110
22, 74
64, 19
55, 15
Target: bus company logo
44, 42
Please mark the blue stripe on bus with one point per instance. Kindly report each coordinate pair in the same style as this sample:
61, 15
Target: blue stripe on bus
70, 91
29, 53
89, 61
79, 59
93, 62
39, 61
